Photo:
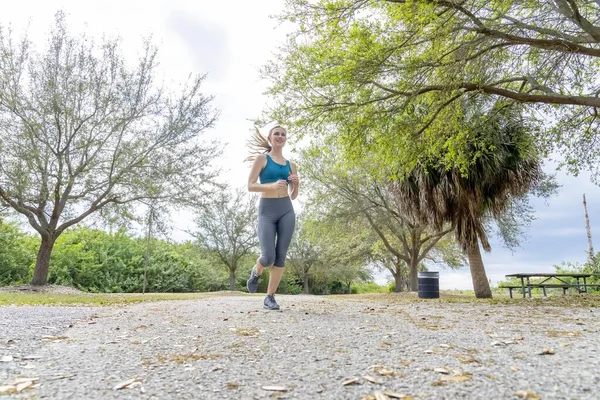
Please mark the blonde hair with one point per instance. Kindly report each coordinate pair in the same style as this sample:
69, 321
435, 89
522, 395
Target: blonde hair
259, 144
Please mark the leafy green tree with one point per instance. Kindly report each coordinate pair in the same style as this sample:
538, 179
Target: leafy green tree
381, 74
303, 255
227, 227
207, 278
344, 250
17, 254
350, 192
97, 261
85, 133
509, 169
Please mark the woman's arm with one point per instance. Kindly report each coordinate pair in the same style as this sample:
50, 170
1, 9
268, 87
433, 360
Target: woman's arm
295, 183
253, 185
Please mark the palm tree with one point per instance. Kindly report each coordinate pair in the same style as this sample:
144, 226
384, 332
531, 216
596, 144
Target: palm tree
507, 167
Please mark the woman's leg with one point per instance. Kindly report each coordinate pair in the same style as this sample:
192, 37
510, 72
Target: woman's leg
258, 267
285, 230
267, 230
275, 275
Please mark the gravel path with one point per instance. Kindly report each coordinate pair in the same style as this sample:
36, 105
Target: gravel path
230, 348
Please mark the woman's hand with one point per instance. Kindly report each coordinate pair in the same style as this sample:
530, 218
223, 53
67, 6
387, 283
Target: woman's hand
293, 178
278, 185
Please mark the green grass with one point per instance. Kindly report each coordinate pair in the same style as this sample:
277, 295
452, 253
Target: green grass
369, 287
466, 296
107, 299
97, 299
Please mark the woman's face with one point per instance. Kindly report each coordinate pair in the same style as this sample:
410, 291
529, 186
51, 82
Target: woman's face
278, 137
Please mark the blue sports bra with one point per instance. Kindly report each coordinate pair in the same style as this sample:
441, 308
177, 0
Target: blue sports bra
272, 172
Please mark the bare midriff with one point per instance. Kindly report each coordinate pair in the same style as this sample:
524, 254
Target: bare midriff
275, 194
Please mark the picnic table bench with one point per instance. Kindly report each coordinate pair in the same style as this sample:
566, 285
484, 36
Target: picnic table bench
551, 280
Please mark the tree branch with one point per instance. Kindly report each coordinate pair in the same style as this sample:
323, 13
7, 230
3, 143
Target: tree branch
386, 243
570, 10
434, 240
23, 210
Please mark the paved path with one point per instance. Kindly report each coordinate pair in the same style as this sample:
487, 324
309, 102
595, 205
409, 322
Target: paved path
230, 348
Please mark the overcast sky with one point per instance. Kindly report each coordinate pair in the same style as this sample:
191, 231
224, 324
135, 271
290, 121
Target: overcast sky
229, 40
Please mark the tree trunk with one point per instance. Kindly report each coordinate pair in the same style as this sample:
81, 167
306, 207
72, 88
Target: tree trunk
147, 256
591, 253
42, 263
413, 275
399, 281
481, 285
231, 279
305, 284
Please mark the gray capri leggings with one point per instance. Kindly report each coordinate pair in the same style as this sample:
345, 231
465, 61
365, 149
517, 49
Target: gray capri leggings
276, 223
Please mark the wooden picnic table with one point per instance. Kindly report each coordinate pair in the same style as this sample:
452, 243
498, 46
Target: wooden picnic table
551, 280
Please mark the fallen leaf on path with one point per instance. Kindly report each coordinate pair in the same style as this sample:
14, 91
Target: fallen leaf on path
23, 380
135, 384
54, 339
17, 386
527, 395
445, 346
381, 370
59, 377
467, 359
29, 358
371, 379
275, 388
441, 370
547, 351
459, 372
376, 396
252, 332
515, 369
8, 389
126, 384
386, 396
352, 381
458, 378
24, 385
400, 396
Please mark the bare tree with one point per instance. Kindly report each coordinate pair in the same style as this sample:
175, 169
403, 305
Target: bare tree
83, 132
227, 226
592, 254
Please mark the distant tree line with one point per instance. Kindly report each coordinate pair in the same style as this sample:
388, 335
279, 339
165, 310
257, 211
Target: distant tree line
94, 260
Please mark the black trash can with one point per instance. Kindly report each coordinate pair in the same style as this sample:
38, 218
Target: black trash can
429, 285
